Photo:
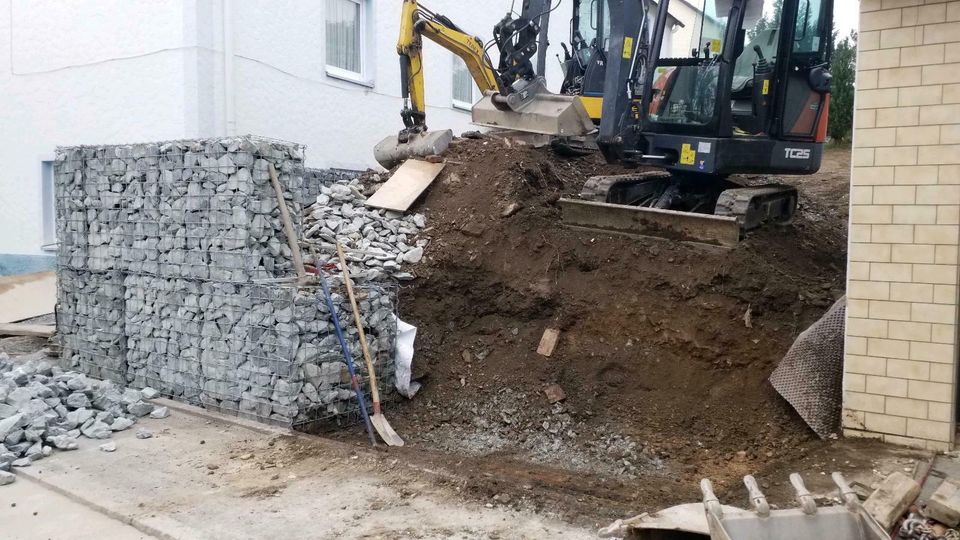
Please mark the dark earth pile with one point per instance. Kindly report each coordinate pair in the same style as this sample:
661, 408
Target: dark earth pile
663, 370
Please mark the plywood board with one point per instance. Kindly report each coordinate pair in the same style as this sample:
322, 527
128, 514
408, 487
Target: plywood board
406, 185
27, 295
38, 330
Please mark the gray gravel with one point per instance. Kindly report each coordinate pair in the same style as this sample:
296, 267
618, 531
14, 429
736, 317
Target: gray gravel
51, 408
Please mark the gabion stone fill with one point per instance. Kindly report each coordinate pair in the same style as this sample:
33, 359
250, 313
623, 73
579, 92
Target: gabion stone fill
172, 264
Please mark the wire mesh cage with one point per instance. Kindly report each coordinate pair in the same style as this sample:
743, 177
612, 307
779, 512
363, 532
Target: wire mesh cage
201, 210
175, 274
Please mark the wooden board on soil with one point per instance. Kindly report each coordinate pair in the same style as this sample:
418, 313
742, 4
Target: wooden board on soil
25, 296
405, 186
35, 330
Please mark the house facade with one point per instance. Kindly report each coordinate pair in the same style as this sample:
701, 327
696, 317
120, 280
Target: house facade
900, 380
320, 72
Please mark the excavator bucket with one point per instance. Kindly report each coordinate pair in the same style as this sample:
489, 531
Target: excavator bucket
390, 152
545, 113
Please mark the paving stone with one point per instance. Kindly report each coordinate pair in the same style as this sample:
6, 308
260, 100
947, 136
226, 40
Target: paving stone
944, 504
892, 499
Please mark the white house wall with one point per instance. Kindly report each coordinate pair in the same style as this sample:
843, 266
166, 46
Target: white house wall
80, 72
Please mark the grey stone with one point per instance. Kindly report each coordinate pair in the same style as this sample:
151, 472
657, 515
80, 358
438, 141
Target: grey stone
96, 430
144, 433
7, 478
22, 462
140, 408
108, 447
9, 424
149, 393
78, 400
121, 424
6, 411
160, 412
63, 442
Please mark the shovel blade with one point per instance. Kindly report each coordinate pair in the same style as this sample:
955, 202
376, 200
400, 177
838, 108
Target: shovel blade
385, 430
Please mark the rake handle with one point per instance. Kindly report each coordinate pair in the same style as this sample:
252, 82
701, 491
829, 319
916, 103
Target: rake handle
363, 337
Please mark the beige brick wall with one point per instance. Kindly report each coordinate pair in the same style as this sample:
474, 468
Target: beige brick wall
901, 350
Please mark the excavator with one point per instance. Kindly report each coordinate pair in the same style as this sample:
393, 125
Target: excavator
752, 96
515, 96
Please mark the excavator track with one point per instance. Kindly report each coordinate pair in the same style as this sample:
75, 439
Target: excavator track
754, 206
661, 205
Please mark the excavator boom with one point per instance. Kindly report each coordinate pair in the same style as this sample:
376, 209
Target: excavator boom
515, 94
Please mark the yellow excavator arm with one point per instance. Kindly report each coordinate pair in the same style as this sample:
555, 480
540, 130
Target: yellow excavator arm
417, 22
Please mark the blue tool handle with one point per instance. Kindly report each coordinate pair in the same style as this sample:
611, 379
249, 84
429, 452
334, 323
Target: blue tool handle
346, 355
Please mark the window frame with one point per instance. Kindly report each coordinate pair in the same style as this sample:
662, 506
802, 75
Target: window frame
456, 103
48, 204
363, 77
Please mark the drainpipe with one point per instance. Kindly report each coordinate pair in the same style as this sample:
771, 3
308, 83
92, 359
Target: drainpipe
230, 112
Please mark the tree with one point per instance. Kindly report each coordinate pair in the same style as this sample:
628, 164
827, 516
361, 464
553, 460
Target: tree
843, 66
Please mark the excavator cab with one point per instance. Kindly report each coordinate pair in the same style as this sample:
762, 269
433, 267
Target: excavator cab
738, 87
749, 93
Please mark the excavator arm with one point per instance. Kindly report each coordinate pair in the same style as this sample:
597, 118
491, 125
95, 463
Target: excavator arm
416, 23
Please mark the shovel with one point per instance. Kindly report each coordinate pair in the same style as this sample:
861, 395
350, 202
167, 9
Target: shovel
379, 421
344, 349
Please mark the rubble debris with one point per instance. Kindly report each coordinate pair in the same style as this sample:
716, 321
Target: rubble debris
7, 478
144, 433
50, 408
892, 499
376, 245
108, 447
548, 342
944, 504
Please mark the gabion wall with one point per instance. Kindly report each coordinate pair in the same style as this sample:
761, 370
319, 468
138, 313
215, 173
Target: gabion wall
170, 262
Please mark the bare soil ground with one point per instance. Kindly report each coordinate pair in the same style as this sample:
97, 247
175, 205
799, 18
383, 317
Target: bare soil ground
665, 383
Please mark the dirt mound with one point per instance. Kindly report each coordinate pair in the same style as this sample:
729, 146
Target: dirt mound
664, 373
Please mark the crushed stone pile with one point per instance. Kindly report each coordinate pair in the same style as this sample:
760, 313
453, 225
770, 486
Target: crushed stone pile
378, 242
43, 407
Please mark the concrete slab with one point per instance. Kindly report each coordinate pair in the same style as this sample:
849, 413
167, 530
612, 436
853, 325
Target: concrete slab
205, 477
29, 511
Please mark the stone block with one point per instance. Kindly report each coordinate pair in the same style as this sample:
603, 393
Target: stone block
892, 499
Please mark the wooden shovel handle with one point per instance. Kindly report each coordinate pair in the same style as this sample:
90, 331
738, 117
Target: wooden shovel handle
287, 224
363, 336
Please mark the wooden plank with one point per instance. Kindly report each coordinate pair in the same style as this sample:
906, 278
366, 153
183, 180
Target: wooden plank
287, 223
406, 185
38, 330
27, 295
548, 342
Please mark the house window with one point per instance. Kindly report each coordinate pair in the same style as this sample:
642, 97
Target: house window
462, 85
48, 211
346, 35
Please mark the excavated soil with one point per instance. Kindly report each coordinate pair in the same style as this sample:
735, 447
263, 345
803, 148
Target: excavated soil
663, 370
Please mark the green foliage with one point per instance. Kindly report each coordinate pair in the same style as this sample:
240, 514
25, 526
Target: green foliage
843, 65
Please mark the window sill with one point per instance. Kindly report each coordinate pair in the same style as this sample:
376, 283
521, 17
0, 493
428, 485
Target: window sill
348, 76
49, 248
462, 105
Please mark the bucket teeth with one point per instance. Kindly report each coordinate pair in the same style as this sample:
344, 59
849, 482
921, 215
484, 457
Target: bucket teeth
804, 497
710, 500
847, 495
757, 497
